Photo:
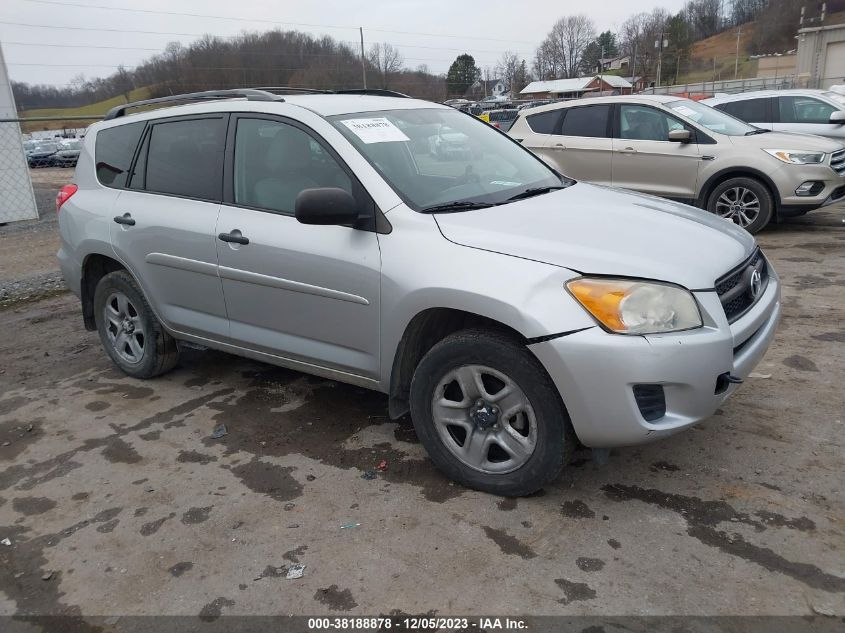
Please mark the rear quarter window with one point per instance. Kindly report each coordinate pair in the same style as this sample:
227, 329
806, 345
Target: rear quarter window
543, 122
113, 152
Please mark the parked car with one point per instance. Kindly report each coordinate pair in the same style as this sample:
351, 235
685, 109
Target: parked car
449, 144
502, 119
684, 150
67, 153
819, 112
40, 153
513, 311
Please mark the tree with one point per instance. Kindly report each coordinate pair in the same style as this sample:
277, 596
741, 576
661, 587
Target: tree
461, 75
565, 44
705, 16
507, 69
387, 60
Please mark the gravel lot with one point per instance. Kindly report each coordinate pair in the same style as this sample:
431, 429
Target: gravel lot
117, 500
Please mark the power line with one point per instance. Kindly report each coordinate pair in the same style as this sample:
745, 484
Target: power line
238, 19
143, 32
239, 51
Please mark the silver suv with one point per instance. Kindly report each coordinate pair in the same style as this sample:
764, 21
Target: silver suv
683, 150
511, 310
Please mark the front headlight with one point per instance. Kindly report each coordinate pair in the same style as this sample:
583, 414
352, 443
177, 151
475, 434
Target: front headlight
628, 306
797, 157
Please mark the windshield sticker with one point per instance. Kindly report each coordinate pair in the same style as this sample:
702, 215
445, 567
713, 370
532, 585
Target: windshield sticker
505, 183
377, 130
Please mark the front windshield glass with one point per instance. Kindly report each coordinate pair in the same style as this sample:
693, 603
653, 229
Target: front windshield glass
434, 157
714, 120
835, 96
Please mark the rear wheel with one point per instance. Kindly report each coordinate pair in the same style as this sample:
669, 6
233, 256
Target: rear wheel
488, 414
744, 201
130, 332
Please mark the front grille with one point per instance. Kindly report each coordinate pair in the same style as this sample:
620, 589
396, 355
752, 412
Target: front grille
837, 162
651, 401
735, 289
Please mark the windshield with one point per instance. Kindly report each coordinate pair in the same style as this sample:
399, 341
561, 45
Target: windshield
713, 120
835, 96
435, 157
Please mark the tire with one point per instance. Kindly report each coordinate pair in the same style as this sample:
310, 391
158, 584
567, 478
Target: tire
737, 198
542, 423
121, 310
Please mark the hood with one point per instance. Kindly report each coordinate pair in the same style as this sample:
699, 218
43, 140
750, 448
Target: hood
598, 230
788, 140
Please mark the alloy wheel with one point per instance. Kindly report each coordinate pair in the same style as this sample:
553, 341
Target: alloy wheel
125, 328
740, 205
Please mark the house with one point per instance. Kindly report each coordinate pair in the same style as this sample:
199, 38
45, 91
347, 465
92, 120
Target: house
620, 62
576, 87
487, 88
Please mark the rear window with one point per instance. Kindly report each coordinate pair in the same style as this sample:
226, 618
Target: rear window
113, 153
588, 121
185, 158
543, 122
749, 110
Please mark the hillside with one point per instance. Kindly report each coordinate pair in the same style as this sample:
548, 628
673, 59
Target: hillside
101, 107
722, 48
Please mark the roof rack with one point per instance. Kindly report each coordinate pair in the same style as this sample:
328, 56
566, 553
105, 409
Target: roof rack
376, 92
250, 94
292, 89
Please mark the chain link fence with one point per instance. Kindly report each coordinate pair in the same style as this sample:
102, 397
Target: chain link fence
17, 201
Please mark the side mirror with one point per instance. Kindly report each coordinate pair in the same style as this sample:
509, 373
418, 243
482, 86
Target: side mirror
680, 136
837, 117
325, 206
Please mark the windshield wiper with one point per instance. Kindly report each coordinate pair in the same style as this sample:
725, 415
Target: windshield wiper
460, 205
757, 131
536, 191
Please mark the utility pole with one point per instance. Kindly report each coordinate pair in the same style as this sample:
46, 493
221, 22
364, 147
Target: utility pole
660, 45
363, 61
736, 63
601, 70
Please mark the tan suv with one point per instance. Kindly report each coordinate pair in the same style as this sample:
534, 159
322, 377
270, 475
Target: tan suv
687, 151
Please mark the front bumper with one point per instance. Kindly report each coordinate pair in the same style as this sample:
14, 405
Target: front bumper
595, 371
788, 178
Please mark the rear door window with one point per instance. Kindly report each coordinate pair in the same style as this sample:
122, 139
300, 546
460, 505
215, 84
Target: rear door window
749, 110
113, 151
544, 122
185, 158
590, 121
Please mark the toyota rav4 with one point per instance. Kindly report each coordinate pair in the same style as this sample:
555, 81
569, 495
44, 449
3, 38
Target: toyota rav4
512, 311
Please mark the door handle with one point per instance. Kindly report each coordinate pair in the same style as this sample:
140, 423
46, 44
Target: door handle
125, 219
234, 237
627, 150
560, 145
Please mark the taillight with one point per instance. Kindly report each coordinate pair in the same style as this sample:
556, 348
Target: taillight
64, 195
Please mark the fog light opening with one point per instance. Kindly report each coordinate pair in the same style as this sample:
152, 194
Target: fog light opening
809, 188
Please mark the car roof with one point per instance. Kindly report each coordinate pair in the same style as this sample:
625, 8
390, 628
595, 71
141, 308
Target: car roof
651, 99
757, 94
321, 104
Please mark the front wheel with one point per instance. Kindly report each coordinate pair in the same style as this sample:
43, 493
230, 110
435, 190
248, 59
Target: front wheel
488, 414
130, 332
744, 201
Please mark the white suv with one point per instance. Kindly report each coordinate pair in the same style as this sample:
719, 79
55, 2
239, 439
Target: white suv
512, 310
686, 151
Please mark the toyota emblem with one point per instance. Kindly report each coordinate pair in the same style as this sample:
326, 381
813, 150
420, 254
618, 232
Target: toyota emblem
755, 284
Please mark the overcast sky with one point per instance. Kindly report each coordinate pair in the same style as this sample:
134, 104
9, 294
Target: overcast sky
431, 32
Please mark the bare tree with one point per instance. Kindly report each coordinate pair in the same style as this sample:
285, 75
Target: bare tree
564, 46
507, 69
387, 60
